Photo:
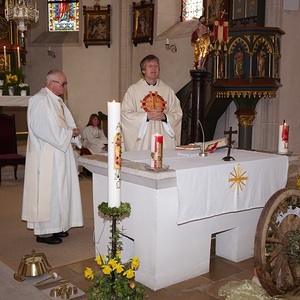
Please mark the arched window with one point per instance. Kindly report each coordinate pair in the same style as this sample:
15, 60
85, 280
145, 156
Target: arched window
63, 15
191, 9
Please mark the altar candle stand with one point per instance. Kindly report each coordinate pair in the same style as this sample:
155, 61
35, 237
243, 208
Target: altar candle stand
114, 154
156, 151
283, 138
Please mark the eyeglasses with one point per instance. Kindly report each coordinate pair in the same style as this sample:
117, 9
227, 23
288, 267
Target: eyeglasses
63, 84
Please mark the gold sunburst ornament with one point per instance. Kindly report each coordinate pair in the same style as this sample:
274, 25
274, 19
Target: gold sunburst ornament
238, 178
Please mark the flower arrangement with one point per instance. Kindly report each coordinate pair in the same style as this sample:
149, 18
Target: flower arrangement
23, 86
11, 79
114, 279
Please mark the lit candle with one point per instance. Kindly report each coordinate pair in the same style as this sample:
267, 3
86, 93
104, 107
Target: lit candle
156, 151
114, 154
18, 55
283, 138
4, 53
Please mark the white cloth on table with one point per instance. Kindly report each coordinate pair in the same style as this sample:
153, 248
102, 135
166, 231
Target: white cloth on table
228, 186
51, 198
209, 186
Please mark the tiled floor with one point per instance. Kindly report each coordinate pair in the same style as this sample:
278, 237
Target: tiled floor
204, 287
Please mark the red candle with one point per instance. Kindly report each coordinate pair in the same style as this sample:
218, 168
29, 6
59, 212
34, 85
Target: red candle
283, 140
156, 151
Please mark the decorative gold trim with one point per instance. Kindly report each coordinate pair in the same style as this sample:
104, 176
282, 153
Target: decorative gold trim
246, 94
245, 120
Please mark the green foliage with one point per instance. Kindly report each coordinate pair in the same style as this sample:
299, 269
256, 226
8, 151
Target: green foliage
118, 212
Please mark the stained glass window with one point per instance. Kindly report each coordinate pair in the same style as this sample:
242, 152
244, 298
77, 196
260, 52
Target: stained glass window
63, 15
191, 9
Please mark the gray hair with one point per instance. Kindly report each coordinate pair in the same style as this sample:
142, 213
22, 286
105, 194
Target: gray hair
147, 59
51, 74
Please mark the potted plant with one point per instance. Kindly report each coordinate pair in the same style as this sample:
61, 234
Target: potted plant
11, 81
2, 78
115, 279
24, 87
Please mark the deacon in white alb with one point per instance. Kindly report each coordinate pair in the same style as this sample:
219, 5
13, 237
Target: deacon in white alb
51, 199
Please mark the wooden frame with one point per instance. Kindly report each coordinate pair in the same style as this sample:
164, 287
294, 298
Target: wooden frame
142, 22
8, 62
216, 10
247, 13
97, 25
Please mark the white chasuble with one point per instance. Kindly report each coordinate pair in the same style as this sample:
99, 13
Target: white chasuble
136, 129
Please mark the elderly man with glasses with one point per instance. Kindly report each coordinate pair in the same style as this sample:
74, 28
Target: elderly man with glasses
51, 198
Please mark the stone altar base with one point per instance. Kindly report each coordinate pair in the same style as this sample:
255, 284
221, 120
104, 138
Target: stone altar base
171, 253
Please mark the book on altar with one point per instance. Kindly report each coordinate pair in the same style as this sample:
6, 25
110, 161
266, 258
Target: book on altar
209, 145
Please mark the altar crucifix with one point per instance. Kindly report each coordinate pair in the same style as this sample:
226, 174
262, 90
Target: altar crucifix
230, 132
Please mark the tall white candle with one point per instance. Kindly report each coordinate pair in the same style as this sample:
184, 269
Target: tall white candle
18, 56
4, 53
283, 138
114, 154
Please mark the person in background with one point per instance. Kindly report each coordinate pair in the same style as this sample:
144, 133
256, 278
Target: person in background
148, 107
51, 197
93, 136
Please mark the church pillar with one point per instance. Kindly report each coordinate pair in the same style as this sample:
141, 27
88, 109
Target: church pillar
274, 11
198, 104
245, 118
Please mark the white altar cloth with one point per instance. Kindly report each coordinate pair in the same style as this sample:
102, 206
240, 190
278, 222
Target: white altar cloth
221, 186
170, 252
14, 100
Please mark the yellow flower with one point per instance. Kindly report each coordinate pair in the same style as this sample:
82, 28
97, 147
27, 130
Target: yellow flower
129, 273
119, 268
118, 254
135, 262
113, 263
11, 79
88, 273
100, 259
106, 270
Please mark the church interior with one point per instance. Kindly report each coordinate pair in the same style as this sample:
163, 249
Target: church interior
252, 102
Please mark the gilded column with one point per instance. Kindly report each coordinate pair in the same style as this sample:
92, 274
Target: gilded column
245, 118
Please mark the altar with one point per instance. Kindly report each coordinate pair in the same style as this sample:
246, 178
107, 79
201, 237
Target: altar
175, 212
14, 100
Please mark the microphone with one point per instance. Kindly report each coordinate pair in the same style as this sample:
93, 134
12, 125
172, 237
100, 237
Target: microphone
202, 152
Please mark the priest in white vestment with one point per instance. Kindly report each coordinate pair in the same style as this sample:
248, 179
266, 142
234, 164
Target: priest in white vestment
150, 106
51, 198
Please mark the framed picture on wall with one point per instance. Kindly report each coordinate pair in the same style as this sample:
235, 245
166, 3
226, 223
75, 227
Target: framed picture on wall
97, 25
142, 22
5, 64
216, 10
247, 12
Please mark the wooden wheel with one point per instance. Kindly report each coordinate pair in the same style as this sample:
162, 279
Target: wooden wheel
277, 244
